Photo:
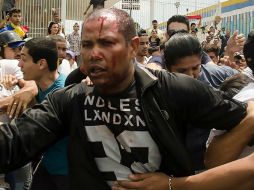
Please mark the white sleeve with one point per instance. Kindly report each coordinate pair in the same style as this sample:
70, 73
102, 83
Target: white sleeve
10, 67
64, 67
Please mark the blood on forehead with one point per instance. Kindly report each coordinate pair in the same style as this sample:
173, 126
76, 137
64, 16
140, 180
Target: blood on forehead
108, 22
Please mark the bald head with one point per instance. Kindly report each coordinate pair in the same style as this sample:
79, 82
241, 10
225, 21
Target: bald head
124, 24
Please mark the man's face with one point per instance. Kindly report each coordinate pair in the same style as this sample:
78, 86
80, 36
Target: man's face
16, 18
107, 57
155, 25
193, 27
56, 17
213, 57
61, 49
30, 69
143, 46
12, 53
189, 65
208, 39
76, 27
176, 26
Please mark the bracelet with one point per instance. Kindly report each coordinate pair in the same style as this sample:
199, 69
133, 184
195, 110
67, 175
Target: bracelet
170, 182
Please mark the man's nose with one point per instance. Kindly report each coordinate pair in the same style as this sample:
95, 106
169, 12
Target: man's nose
96, 53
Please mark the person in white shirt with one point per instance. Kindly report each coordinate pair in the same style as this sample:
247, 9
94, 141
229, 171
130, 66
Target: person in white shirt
68, 64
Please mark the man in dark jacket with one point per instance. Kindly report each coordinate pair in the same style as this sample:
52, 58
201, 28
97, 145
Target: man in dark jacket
132, 121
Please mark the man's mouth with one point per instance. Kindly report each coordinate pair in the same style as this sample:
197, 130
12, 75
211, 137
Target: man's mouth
96, 71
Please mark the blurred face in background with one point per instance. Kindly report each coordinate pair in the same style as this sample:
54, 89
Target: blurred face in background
143, 46
54, 29
213, 57
76, 27
155, 25
16, 18
12, 53
189, 65
154, 33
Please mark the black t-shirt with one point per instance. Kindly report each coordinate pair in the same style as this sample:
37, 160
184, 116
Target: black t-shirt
117, 133
76, 76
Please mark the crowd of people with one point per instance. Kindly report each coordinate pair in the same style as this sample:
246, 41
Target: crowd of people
144, 110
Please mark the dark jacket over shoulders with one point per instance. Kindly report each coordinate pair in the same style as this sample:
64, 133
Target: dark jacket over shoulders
169, 102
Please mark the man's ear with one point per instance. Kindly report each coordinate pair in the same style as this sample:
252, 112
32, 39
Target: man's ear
42, 64
135, 45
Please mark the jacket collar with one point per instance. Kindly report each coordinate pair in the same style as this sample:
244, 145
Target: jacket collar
144, 77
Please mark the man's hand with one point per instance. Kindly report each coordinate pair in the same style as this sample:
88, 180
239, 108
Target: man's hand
235, 44
147, 181
226, 61
19, 103
9, 81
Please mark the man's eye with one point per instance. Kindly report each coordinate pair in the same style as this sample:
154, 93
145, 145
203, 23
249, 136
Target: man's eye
86, 44
106, 43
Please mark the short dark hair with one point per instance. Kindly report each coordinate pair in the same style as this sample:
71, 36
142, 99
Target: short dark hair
14, 10
126, 25
212, 48
43, 48
179, 46
142, 32
57, 38
154, 21
193, 23
180, 19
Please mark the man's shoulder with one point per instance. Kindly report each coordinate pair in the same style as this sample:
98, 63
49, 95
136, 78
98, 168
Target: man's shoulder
213, 68
70, 91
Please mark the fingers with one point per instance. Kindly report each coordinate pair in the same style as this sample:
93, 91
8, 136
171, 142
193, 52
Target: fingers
9, 81
11, 111
235, 34
19, 109
122, 185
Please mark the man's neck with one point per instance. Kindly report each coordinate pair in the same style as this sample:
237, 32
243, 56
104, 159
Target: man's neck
47, 80
140, 59
16, 24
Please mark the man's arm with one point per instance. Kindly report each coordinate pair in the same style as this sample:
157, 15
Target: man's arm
228, 146
36, 129
237, 175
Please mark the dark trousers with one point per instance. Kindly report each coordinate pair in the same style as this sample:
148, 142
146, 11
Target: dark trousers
42, 180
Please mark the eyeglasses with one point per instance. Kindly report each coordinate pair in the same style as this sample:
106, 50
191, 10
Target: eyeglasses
173, 32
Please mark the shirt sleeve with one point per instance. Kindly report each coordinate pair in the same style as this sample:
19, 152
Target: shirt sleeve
201, 106
34, 131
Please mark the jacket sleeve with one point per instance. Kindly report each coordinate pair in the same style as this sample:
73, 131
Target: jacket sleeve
29, 135
201, 106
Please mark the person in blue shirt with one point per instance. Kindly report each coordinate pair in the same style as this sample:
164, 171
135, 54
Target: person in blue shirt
39, 60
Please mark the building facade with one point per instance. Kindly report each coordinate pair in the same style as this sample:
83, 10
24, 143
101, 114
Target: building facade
38, 13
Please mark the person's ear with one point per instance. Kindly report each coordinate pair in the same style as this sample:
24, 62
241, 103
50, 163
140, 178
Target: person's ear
134, 45
42, 64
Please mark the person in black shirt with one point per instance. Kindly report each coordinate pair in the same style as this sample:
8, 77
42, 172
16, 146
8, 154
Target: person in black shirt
127, 131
